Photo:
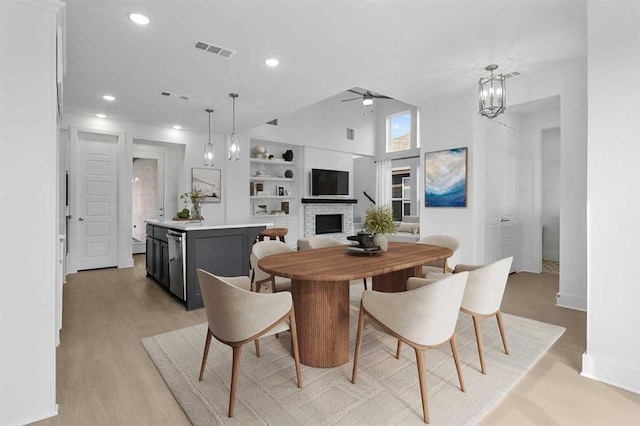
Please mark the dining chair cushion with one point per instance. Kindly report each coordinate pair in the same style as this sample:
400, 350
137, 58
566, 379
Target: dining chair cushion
426, 316
234, 313
485, 286
447, 241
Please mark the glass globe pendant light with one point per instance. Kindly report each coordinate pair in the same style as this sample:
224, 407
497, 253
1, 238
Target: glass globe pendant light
208, 148
233, 141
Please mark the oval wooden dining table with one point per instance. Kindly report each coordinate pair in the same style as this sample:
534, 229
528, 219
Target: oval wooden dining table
320, 288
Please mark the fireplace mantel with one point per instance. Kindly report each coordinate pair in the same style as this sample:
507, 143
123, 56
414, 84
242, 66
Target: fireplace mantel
329, 200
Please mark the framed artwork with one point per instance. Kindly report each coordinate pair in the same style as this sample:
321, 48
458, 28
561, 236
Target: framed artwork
445, 178
209, 181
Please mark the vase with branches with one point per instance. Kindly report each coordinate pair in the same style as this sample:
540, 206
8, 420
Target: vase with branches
379, 221
193, 201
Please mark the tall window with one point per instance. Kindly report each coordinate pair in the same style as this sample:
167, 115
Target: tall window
401, 193
399, 132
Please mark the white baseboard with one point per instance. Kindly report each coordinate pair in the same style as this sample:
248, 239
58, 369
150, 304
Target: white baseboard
571, 302
611, 372
40, 416
127, 264
530, 267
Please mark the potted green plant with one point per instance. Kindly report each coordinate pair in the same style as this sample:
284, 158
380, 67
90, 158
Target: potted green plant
194, 200
379, 221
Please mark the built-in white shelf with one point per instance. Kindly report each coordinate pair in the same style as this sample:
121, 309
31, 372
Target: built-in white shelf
270, 215
271, 179
279, 197
274, 161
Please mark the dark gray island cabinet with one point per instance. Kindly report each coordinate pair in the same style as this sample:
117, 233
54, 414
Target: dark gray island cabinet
220, 249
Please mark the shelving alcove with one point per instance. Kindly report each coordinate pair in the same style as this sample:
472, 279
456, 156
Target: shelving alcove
275, 197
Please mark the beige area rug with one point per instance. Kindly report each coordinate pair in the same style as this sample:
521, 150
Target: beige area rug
387, 391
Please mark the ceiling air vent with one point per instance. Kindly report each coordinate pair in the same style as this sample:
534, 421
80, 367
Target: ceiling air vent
351, 134
174, 96
273, 122
216, 50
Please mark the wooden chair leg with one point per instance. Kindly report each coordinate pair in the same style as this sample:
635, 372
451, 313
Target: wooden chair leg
502, 333
456, 359
207, 343
257, 343
444, 266
273, 284
356, 355
477, 324
237, 352
364, 280
398, 349
422, 377
294, 345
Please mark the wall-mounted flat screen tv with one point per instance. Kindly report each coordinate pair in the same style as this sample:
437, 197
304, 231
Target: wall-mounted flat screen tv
329, 182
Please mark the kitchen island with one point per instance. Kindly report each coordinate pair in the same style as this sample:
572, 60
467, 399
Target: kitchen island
175, 250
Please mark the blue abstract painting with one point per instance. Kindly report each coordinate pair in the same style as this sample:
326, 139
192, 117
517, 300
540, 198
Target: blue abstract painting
445, 178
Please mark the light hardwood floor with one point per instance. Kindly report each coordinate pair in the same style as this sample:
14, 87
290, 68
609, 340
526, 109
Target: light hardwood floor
106, 378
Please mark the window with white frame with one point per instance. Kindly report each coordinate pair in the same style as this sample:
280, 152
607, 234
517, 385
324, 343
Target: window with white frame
399, 132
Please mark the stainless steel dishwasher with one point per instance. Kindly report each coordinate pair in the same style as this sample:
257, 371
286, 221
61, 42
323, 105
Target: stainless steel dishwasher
177, 257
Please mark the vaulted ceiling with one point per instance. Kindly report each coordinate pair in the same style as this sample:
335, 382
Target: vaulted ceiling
408, 50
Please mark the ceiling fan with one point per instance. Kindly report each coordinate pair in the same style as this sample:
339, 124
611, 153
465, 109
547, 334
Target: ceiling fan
367, 97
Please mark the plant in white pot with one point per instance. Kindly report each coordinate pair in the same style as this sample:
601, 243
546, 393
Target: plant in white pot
379, 221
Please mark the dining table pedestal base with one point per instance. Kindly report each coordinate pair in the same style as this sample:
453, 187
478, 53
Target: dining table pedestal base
394, 282
322, 319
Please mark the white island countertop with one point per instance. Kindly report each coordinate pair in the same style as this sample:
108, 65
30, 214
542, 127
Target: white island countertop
195, 225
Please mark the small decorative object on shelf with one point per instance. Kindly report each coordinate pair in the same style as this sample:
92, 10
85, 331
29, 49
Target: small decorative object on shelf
284, 206
288, 174
379, 221
258, 150
288, 155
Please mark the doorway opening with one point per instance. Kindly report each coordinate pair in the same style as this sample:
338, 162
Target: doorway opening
144, 199
550, 199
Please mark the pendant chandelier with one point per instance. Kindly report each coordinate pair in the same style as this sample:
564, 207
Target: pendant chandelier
492, 94
208, 148
233, 142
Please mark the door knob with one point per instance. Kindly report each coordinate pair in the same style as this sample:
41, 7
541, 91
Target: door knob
81, 219
504, 219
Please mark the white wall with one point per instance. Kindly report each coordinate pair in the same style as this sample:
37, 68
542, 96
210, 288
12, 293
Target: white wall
188, 154
29, 194
613, 346
551, 194
449, 123
364, 179
323, 125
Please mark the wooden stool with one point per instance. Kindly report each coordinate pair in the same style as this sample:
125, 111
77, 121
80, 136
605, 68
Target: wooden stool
273, 234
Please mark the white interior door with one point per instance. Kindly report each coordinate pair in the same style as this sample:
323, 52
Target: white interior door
502, 213
97, 205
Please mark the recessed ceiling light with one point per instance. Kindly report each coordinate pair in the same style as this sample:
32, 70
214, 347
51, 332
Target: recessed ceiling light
109, 98
272, 62
101, 116
177, 127
139, 19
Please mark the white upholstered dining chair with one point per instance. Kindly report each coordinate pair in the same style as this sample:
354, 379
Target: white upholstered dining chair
237, 316
259, 278
441, 266
320, 241
423, 318
483, 297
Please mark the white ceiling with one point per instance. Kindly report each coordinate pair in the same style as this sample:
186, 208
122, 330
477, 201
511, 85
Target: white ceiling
408, 50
